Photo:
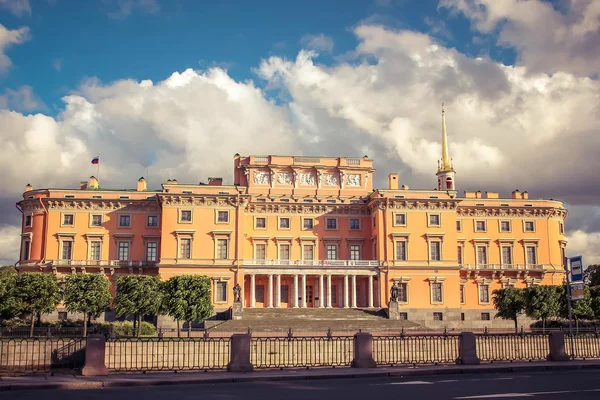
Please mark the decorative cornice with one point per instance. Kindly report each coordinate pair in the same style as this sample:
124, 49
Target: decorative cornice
519, 212
404, 204
307, 208
31, 205
103, 205
203, 200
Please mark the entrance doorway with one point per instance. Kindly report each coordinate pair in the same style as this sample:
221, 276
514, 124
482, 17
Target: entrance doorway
309, 296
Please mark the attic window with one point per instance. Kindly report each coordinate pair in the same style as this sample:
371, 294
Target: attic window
223, 192
354, 201
69, 196
285, 200
480, 204
331, 201
261, 200
399, 197
308, 201
151, 198
124, 197
433, 197
187, 192
504, 205
96, 197
528, 205
31, 197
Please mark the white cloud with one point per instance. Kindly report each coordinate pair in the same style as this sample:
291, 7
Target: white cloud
9, 244
127, 7
7, 38
22, 99
584, 244
17, 7
57, 64
318, 42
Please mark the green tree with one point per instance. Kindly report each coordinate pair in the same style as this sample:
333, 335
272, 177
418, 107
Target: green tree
138, 295
88, 294
187, 298
581, 309
38, 293
10, 303
595, 300
543, 302
510, 303
591, 275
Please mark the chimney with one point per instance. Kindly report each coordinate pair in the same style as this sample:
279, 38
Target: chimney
525, 195
141, 184
491, 195
215, 181
83, 185
404, 187
470, 194
93, 183
393, 181
478, 194
28, 188
516, 194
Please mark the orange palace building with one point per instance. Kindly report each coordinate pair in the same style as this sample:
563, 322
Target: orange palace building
306, 232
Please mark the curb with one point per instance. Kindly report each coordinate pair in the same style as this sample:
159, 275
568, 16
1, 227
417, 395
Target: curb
316, 375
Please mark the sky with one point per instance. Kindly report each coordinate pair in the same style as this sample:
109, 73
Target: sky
175, 88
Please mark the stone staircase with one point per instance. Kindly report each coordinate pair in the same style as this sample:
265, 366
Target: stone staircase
313, 320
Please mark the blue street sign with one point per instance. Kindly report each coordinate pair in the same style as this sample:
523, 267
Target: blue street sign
576, 269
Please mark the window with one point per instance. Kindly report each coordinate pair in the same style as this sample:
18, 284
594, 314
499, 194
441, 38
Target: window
481, 255
436, 292
480, 226
504, 226
435, 253
96, 197
95, 251
308, 223
123, 251
151, 251
400, 219
222, 252
260, 252
403, 316
260, 223
458, 226
332, 252
354, 252
531, 255
187, 192
354, 202
152, 220
185, 216
438, 316
331, 201
561, 228
97, 220
308, 252
403, 292
284, 252
221, 292
529, 226
186, 245
67, 250
331, 223
62, 316
462, 316
284, 223
401, 251
334, 294
68, 219
28, 220
124, 220
434, 220
459, 255
374, 222
262, 200
69, 196
354, 223
462, 294
485, 316
259, 294
484, 293
124, 197
506, 255
308, 201
223, 217
26, 247
284, 293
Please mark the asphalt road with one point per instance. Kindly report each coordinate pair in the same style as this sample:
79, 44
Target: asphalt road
544, 385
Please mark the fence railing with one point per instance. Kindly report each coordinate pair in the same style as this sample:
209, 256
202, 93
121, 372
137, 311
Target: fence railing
586, 346
33, 355
290, 352
415, 349
512, 347
48, 331
167, 354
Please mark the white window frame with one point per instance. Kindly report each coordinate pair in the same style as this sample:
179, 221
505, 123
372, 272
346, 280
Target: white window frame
91, 246
337, 251
228, 248
350, 245
256, 227
217, 217
289, 227
180, 214
180, 248
459, 223
484, 225
525, 226
441, 258
405, 241
62, 219
432, 282
91, 221
312, 244
487, 256
510, 249
480, 287
307, 219
438, 215
147, 242
394, 223
535, 252
509, 225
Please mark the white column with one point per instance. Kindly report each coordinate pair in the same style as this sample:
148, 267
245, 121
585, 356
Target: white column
370, 291
328, 291
353, 291
277, 290
295, 302
252, 296
270, 291
303, 290
345, 291
321, 291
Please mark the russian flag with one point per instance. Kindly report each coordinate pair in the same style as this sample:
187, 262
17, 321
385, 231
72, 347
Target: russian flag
95, 160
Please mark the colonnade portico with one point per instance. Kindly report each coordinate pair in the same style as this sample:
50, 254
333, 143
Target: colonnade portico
309, 289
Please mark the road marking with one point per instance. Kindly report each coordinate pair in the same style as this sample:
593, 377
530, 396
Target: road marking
532, 394
448, 381
411, 383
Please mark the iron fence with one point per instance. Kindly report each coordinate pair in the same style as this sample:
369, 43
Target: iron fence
584, 346
512, 347
415, 349
35, 355
167, 354
301, 352
50, 331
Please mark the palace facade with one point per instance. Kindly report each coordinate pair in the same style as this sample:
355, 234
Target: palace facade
306, 232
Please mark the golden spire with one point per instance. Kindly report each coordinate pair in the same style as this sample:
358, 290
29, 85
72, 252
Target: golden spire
446, 164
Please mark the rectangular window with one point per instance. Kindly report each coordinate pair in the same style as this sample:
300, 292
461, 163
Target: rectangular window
485, 316
124, 220
261, 223
284, 223
435, 251
504, 226
222, 252
354, 252
186, 216
284, 293
67, 250
62, 316
529, 226
436, 292
458, 226
400, 219
481, 255
438, 316
403, 292
459, 255
259, 294
28, 220
331, 223
401, 251
308, 223
354, 224
284, 252
484, 293
332, 252
403, 316
68, 219
374, 222
462, 316
308, 251
152, 221
97, 220
186, 249
334, 294
462, 294
26, 247
506, 255
123, 251
260, 252
221, 292
223, 217
561, 228
434, 220
480, 226
151, 251
95, 251
531, 255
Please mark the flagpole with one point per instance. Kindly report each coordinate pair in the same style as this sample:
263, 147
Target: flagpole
98, 170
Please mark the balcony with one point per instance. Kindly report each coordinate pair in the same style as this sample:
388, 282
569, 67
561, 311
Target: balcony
105, 263
503, 267
314, 263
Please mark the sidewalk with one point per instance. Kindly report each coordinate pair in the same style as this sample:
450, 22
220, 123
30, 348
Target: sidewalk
47, 381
